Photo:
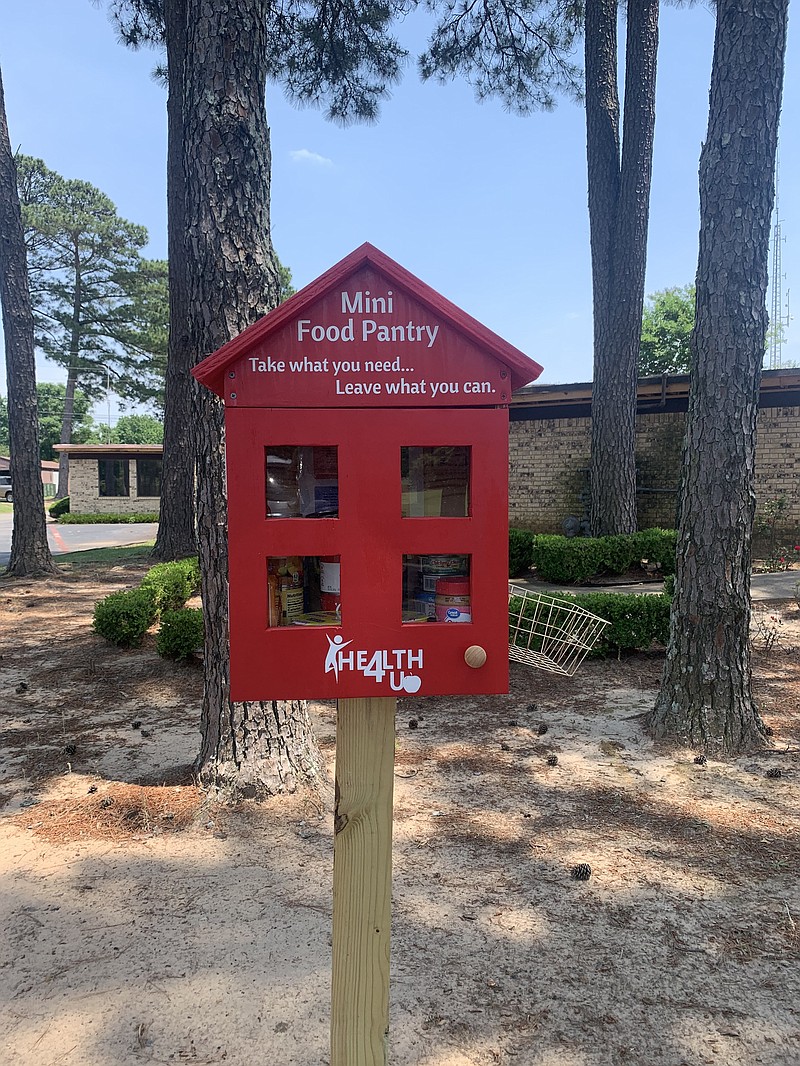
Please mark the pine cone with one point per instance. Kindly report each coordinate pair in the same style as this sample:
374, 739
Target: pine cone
769, 730
701, 760
542, 729
581, 872
774, 771
533, 708
552, 760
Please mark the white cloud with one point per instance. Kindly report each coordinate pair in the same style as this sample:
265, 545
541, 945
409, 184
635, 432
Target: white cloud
304, 156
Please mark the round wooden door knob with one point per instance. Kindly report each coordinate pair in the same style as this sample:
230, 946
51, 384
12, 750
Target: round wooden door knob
475, 656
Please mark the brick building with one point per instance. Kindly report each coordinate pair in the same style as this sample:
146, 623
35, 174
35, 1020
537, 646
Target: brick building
113, 478
549, 444
549, 448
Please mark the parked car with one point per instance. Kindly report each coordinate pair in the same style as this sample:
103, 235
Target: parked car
5, 487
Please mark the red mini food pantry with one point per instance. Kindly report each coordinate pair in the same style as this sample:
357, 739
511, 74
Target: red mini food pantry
367, 465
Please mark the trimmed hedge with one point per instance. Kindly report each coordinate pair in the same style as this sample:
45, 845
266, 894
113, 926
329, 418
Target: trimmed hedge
574, 559
181, 633
172, 584
520, 551
637, 621
109, 519
124, 617
59, 508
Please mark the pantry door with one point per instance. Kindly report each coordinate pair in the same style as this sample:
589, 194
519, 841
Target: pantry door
421, 498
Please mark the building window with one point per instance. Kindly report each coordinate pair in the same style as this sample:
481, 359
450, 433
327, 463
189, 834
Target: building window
148, 477
113, 477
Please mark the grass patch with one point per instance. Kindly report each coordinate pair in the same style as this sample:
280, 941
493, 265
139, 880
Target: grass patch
6, 508
129, 553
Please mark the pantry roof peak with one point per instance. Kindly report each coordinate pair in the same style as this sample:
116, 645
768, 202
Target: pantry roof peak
367, 332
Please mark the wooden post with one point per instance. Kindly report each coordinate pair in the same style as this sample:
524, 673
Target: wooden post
362, 881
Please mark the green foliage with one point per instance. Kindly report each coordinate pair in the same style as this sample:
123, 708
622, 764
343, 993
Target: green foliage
767, 526
566, 559
519, 53
138, 429
667, 324
181, 633
172, 584
341, 55
287, 288
637, 621
59, 508
669, 585
50, 406
124, 617
575, 559
110, 519
520, 551
144, 335
96, 301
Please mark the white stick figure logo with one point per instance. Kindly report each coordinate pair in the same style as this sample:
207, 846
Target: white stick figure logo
332, 658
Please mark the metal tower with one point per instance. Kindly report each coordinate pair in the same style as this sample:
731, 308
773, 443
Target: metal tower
776, 319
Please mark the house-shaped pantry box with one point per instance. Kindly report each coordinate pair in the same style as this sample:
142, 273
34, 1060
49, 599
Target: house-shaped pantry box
367, 467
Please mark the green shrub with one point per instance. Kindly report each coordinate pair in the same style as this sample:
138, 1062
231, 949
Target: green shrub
669, 585
111, 519
181, 633
566, 559
172, 584
575, 559
520, 551
124, 617
636, 620
59, 508
657, 546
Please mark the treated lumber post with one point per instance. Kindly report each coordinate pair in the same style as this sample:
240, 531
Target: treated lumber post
362, 881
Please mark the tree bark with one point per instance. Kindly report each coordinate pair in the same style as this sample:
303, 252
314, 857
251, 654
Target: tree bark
68, 418
706, 698
30, 553
233, 280
619, 203
177, 535
67, 421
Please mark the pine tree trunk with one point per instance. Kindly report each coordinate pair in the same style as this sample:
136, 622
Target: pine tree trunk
619, 202
67, 421
706, 698
177, 537
30, 553
233, 280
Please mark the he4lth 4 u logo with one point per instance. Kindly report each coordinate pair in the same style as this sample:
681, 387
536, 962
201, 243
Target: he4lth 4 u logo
396, 664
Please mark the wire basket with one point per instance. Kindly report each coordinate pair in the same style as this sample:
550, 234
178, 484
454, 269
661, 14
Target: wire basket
548, 633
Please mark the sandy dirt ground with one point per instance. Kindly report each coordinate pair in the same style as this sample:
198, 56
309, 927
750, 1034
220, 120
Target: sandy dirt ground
142, 923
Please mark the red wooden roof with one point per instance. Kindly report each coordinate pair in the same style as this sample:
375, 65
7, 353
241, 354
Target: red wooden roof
211, 371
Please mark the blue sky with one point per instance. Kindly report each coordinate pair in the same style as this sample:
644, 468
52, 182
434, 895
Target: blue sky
487, 207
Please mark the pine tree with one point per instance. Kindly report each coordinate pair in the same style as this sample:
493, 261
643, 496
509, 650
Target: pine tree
224, 271
619, 207
88, 281
706, 698
520, 52
30, 552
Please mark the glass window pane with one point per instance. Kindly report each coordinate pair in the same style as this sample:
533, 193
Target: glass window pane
112, 476
302, 481
304, 591
148, 477
435, 481
436, 588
